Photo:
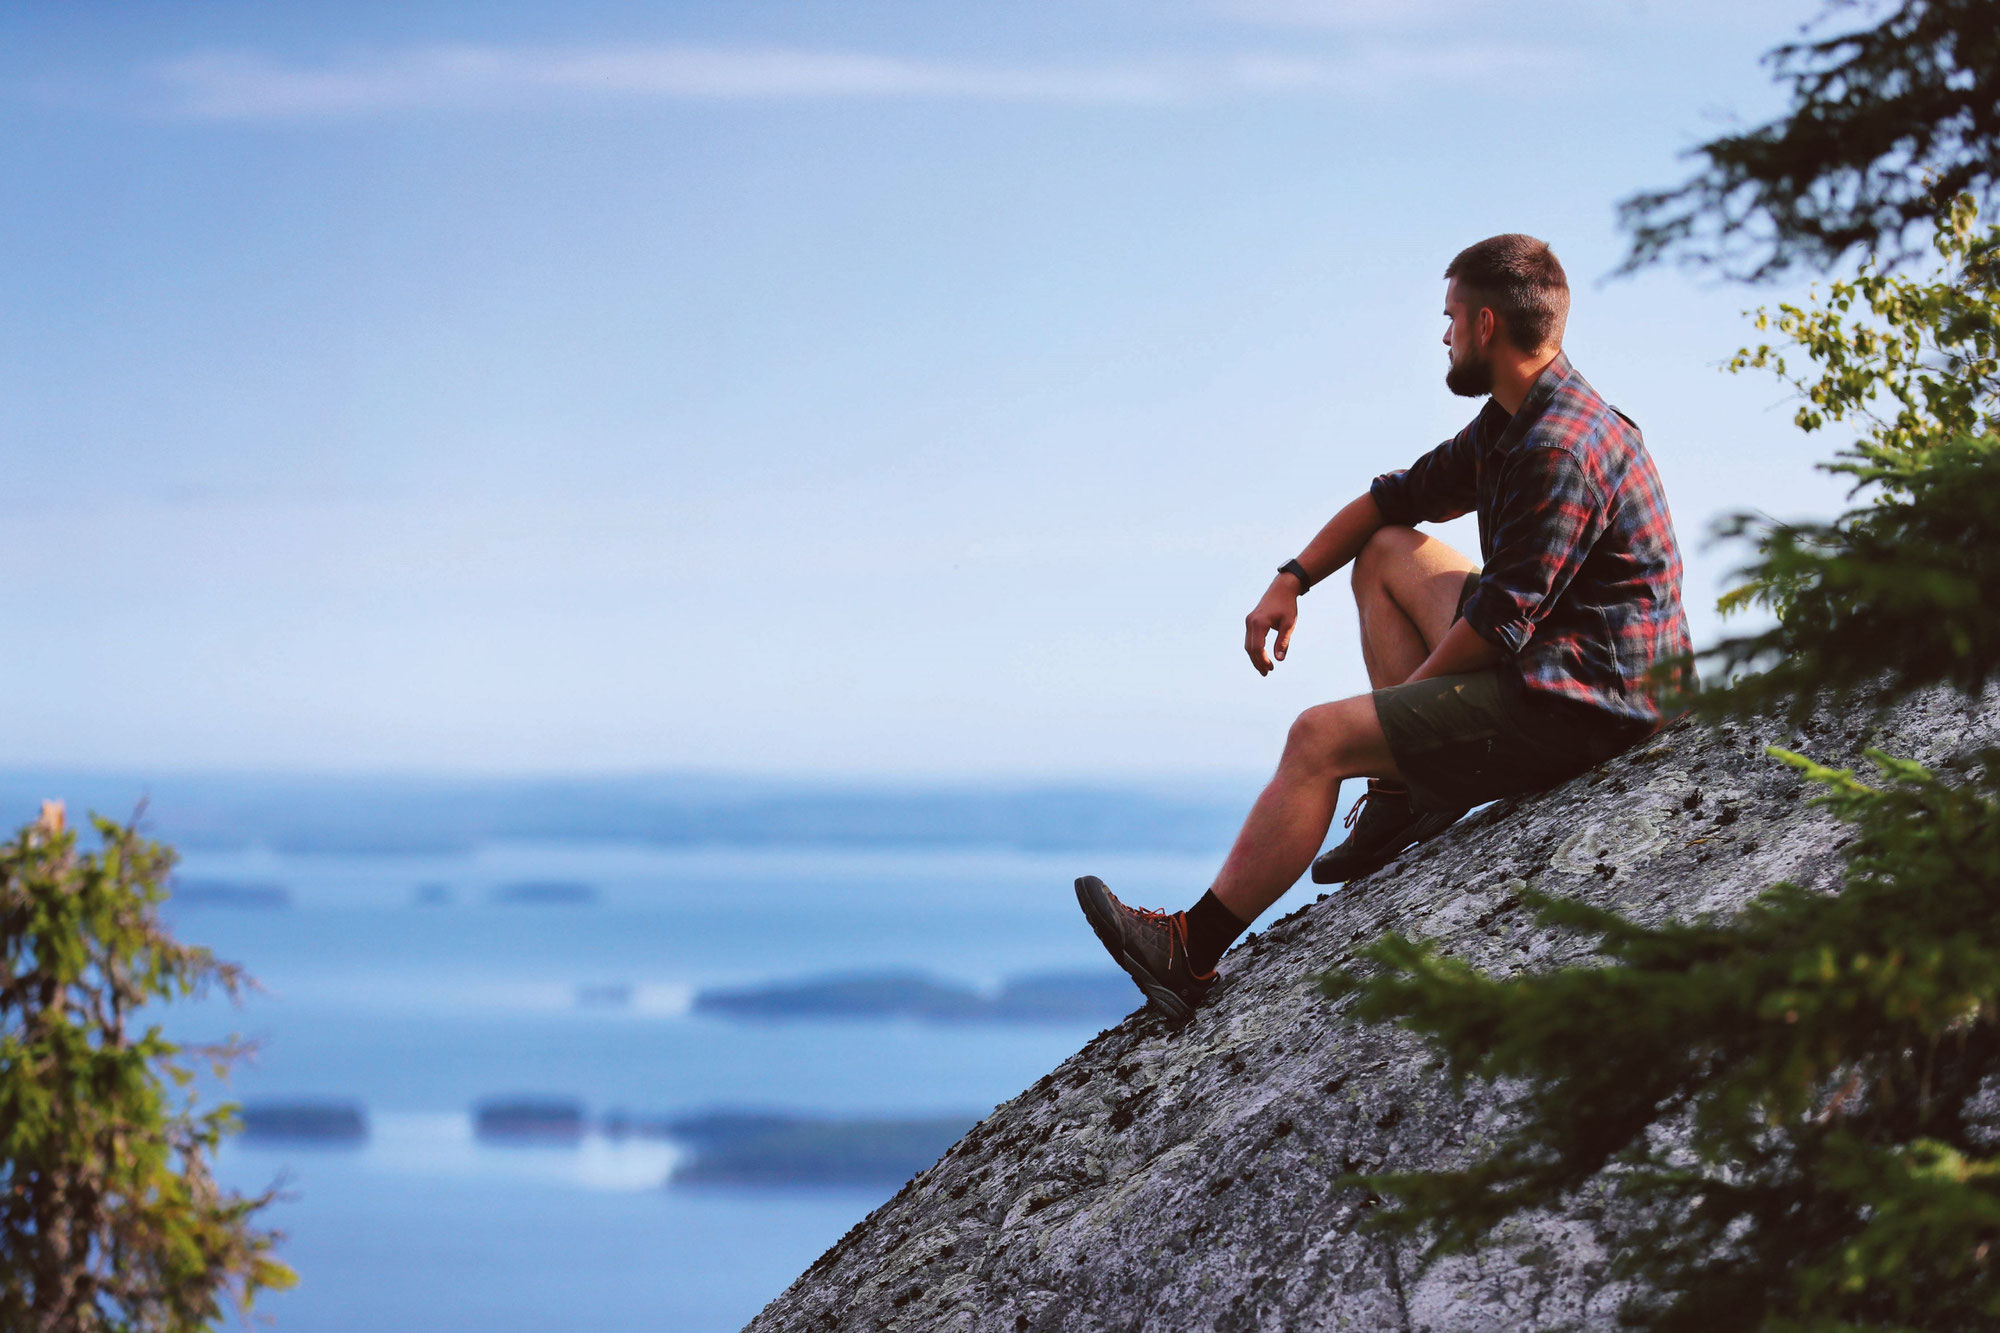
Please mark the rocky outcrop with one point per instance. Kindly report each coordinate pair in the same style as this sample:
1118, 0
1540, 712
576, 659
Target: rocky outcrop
1168, 1178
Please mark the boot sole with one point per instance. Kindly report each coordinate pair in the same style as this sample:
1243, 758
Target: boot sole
1090, 896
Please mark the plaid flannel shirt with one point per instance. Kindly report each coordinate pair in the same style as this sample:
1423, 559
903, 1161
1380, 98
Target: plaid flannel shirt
1581, 587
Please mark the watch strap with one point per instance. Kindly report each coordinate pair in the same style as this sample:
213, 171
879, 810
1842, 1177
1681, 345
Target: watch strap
1297, 571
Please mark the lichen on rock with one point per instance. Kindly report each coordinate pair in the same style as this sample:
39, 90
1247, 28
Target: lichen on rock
1186, 1178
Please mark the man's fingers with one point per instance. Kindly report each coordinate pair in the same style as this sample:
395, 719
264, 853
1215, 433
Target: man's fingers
1253, 645
1285, 639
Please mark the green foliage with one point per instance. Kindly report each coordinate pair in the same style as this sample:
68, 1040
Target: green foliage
1781, 1099
1884, 122
1925, 365
1796, 1110
109, 1217
1907, 585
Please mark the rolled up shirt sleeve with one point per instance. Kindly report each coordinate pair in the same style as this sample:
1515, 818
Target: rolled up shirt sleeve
1547, 518
1443, 484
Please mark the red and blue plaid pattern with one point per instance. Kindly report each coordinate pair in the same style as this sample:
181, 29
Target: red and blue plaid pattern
1582, 580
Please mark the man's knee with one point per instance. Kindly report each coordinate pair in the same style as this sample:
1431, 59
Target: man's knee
1332, 736
1389, 545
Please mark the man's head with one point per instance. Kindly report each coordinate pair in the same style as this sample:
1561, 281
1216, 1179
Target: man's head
1505, 295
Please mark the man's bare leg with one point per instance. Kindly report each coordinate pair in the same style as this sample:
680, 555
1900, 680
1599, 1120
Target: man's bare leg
1406, 586
1289, 821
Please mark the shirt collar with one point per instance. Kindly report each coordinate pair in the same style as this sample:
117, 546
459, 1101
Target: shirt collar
1552, 378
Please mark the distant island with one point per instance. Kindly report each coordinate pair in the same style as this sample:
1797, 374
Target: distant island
608, 995
1047, 997
769, 1149
529, 1120
329, 1122
765, 1149
223, 893
727, 1146
545, 893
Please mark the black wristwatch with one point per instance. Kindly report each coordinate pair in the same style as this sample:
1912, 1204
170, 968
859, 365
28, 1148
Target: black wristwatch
1297, 571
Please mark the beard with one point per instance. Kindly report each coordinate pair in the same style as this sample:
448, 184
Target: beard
1469, 379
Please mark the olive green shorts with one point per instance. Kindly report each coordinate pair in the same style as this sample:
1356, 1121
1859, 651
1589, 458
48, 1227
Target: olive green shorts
1463, 740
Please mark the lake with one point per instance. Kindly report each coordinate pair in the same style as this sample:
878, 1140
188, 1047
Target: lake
422, 985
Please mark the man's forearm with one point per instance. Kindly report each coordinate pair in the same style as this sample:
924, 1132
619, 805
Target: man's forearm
1342, 538
1459, 651
1278, 609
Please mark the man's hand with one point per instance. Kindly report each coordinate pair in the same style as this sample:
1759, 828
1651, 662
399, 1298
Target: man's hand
1279, 610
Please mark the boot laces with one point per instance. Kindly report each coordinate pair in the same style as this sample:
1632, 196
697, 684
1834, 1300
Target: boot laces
1368, 793
1175, 923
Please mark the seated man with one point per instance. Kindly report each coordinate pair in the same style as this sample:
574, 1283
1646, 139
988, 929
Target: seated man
1488, 681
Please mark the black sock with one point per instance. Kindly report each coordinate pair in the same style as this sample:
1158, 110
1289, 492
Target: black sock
1211, 928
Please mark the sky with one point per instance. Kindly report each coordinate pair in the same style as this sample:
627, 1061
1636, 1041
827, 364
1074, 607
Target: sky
859, 388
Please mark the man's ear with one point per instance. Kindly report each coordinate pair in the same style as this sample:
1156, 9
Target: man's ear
1485, 327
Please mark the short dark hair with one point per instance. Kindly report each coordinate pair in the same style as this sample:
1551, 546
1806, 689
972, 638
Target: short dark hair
1520, 279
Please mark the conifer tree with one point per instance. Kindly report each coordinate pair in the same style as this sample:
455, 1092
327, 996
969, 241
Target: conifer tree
1887, 119
110, 1221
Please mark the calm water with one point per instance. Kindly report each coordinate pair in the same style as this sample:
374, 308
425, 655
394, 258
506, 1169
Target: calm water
402, 983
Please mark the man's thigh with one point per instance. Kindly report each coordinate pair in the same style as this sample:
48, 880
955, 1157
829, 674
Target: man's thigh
1427, 579
1463, 740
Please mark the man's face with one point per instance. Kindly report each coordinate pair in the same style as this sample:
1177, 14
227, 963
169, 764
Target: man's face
1470, 374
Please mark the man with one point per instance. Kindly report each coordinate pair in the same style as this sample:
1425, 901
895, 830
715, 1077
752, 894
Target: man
1488, 681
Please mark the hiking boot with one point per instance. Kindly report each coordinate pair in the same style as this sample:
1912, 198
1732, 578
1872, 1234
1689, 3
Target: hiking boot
1383, 824
1151, 946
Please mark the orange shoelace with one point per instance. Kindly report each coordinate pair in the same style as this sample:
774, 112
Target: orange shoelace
1354, 811
1176, 923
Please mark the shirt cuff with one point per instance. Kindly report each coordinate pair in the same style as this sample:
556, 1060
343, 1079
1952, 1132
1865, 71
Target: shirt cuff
1390, 494
1493, 619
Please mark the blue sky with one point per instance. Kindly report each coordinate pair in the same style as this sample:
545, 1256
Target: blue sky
831, 388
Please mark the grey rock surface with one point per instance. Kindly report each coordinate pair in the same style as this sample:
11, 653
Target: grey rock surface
1168, 1178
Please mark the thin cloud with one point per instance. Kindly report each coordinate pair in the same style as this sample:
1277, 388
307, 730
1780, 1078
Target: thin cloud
1464, 18
233, 85
1344, 15
1385, 70
252, 86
